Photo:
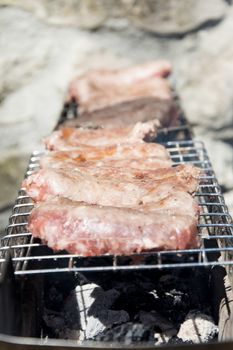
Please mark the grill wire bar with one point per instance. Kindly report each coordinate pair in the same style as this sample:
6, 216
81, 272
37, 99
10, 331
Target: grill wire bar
31, 256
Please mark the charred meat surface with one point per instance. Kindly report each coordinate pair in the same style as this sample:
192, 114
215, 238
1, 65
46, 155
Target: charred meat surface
126, 113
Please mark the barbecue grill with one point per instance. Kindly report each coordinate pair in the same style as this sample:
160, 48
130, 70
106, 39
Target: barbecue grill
25, 261
30, 256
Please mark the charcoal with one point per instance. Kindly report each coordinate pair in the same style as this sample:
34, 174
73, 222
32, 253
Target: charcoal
128, 333
178, 341
158, 321
178, 295
133, 307
58, 289
55, 297
105, 320
55, 321
174, 291
165, 337
198, 327
88, 309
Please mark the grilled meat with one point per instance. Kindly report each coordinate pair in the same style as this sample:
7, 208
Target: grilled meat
125, 113
105, 190
186, 174
100, 80
127, 76
64, 159
91, 98
102, 137
174, 203
90, 230
81, 152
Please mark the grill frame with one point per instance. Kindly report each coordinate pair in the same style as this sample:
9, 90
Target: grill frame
26, 251
19, 338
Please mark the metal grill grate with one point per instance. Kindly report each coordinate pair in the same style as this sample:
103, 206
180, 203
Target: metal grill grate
30, 256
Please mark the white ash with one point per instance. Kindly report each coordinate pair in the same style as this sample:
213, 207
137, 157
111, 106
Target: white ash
198, 328
88, 309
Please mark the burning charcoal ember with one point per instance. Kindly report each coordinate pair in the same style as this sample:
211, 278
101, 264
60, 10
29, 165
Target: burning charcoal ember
128, 333
198, 327
88, 309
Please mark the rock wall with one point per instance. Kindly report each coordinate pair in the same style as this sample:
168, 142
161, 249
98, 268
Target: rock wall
44, 44
170, 17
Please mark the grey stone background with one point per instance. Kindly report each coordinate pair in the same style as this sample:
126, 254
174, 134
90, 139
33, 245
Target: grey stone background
45, 43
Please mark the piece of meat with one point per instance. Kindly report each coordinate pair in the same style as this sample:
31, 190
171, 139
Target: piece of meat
91, 230
102, 137
125, 113
122, 151
105, 190
62, 159
177, 202
108, 78
90, 98
186, 174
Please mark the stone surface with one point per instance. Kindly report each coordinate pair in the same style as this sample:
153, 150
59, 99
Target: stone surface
229, 200
35, 76
207, 88
12, 169
174, 17
4, 219
167, 18
221, 157
88, 14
